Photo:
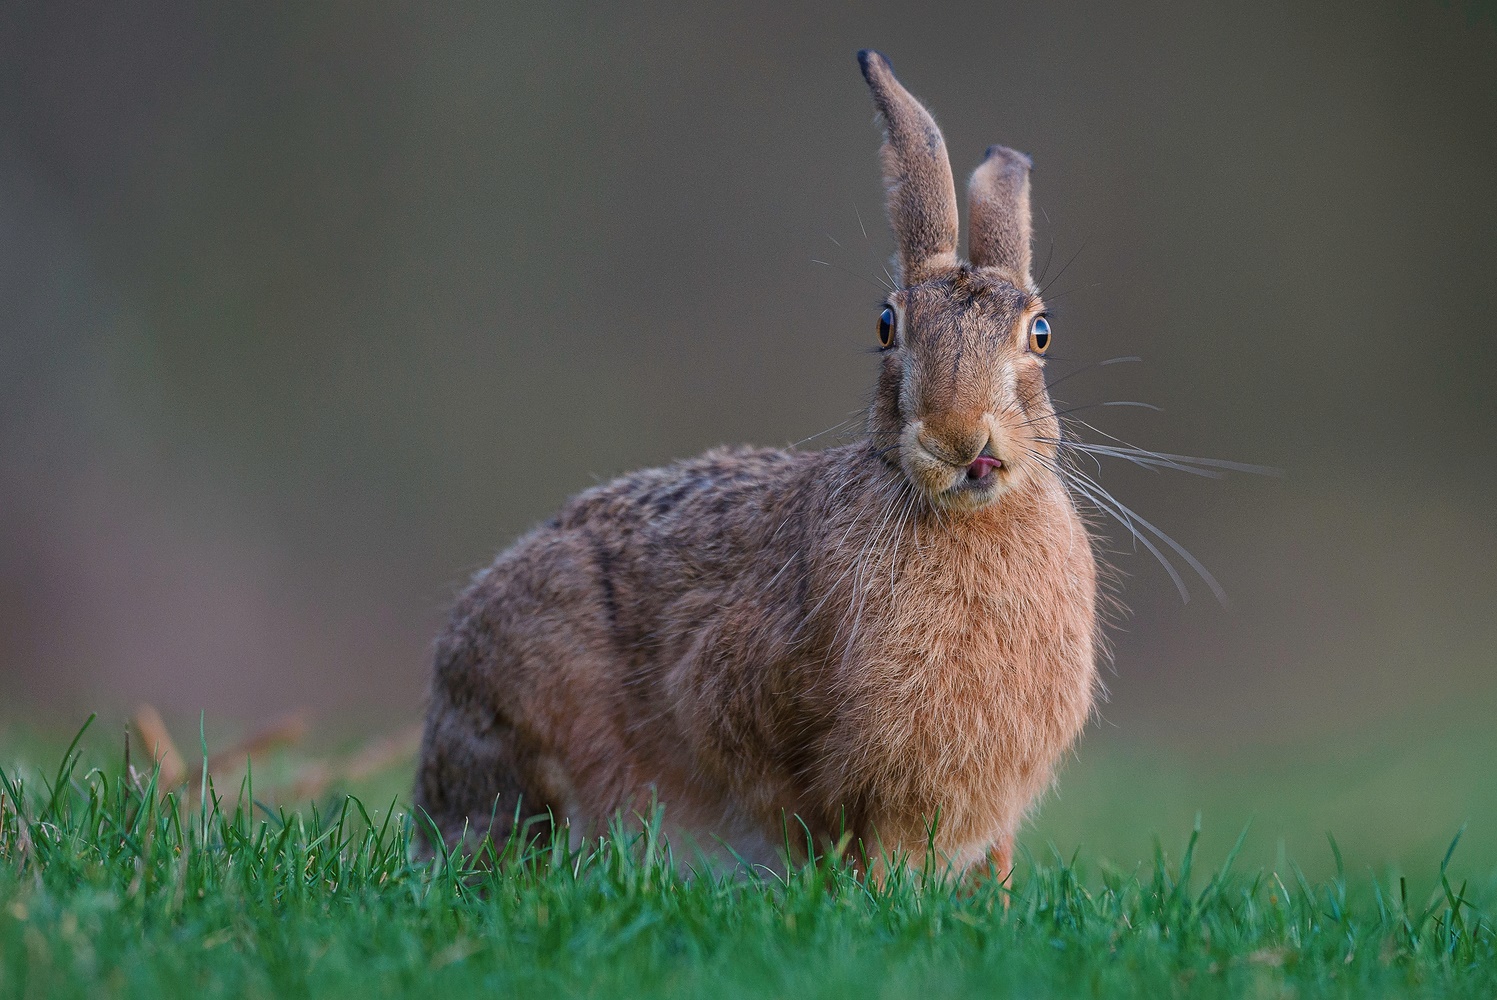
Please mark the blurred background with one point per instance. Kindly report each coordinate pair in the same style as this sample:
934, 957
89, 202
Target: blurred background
308, 310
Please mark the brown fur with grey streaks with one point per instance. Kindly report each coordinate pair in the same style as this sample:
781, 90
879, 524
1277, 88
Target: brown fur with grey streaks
863, 637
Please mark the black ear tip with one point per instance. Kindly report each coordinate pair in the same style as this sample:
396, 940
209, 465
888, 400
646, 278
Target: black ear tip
1012, 156
868, 56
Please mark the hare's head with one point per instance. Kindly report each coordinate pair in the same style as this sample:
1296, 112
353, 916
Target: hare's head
961, 404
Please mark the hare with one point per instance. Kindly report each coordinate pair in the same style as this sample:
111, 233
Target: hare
894, 640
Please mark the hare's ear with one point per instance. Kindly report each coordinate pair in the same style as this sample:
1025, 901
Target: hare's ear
998, 219
917, 176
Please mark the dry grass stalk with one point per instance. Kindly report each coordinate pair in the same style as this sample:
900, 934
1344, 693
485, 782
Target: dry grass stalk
285, 731
313, 779
288, 730
158, 740
373, 757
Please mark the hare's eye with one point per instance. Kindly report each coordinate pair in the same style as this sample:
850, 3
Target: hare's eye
886, 328
1039, 335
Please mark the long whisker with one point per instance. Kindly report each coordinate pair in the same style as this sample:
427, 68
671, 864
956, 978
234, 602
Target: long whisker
841, 423
866, 556
1071, 474
880, 285
1063, 270
852, 523
1049, 256
1141, 459
1217, 463
1046, 389
1125, 359
899, 524
1094, 493
1122, 518
1071, 291
1091, 406
1180, 550
868, 245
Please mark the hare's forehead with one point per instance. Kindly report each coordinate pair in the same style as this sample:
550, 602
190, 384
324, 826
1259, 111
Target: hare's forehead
958, 305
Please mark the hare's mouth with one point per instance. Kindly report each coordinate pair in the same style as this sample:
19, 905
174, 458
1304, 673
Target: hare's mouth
952, 481
981, 468
979, 480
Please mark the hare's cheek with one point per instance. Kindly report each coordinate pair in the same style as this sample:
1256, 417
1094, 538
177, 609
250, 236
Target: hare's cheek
1029, 390
897, 384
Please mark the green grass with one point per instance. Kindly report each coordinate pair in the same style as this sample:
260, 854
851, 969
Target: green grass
107, 889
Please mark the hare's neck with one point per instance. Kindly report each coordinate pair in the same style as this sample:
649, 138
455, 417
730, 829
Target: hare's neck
970, 548
961, 586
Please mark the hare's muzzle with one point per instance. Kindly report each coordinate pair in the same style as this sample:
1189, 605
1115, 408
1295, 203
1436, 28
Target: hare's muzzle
958, 464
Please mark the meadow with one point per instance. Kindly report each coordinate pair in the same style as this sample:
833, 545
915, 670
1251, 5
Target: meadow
111, 885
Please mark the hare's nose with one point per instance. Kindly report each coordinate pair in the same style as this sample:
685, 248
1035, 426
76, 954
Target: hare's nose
955, 442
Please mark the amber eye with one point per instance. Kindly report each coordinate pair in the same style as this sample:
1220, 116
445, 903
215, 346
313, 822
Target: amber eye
886, 328
1039, 335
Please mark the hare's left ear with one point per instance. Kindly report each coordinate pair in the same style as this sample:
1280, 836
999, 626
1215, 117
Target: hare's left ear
998, 217
917, 176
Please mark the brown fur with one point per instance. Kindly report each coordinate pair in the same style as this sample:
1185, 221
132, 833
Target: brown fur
859, 639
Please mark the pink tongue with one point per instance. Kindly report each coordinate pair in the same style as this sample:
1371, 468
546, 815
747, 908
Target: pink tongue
981, 466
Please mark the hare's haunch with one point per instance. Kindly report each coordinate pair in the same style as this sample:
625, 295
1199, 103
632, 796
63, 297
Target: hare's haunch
860, 640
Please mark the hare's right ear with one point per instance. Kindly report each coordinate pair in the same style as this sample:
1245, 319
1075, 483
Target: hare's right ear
917, 176
998, 216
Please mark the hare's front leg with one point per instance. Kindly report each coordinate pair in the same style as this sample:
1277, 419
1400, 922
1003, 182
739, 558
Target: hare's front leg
1001, 857
1001, 865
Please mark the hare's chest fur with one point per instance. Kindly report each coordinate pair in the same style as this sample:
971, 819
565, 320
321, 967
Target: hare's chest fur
978, 677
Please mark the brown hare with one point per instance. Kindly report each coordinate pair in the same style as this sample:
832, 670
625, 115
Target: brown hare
882, 639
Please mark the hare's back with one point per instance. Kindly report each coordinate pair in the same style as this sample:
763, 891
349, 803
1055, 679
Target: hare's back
601, 577
725, 490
